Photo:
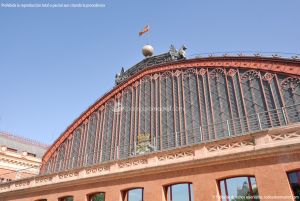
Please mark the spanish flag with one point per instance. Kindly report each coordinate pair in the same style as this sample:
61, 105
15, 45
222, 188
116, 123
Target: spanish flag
146, 29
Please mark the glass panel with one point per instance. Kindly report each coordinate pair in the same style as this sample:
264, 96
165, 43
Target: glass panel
180, 192
254, 186
97, 197
91, 140
192, 192
294, 179
223, 191
239, 188
70, 198
135, 195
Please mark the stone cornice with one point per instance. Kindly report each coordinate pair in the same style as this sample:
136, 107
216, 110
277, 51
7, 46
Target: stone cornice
276, 65
266, 143
19, 157
19, 162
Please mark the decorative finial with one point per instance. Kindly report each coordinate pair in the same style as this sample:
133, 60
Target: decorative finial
182, 53
147, 50
122, 71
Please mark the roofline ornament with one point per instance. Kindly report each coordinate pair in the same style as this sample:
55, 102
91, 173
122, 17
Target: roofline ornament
172, 55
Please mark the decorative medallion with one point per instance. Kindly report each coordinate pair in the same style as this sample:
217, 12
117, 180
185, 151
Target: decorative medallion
231, 72
268, 76
202, 71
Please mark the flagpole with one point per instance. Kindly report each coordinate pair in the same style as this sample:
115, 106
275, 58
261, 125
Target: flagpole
148, 37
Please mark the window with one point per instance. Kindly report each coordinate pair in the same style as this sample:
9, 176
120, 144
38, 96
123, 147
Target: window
97, 197
67, 198
294, 179
180, 192
42, 200
239, 188
11, 149
31, 154
136, 194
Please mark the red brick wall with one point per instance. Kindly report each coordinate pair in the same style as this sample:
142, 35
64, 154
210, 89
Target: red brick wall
270, 173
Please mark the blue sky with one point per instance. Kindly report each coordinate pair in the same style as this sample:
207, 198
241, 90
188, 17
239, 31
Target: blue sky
54, 63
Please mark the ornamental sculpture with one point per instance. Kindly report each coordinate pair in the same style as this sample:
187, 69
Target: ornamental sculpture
143, 144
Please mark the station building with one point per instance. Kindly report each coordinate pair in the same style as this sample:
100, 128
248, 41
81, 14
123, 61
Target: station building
223, 128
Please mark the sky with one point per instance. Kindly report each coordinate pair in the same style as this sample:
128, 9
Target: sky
56, 62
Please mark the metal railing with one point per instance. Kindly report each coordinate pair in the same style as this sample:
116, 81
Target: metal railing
251, 53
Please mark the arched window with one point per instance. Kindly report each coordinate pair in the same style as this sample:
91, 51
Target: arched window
294, 179
180, 192
67, 198
239, 188
96, 197
136, 194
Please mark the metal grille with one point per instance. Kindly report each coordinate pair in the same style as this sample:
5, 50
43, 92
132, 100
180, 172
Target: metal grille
180, 108
75, 149
91, 137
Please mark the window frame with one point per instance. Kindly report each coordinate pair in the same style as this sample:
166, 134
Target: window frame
125, 192
238, 176
64, 197
94, 193
166, 190
297, 171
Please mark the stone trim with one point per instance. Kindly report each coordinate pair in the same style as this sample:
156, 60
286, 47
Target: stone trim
263, 142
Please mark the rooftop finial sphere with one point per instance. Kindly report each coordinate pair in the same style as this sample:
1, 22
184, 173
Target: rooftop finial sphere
147, 50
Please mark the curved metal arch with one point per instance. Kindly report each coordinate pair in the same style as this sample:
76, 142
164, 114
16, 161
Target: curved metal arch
274, 65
